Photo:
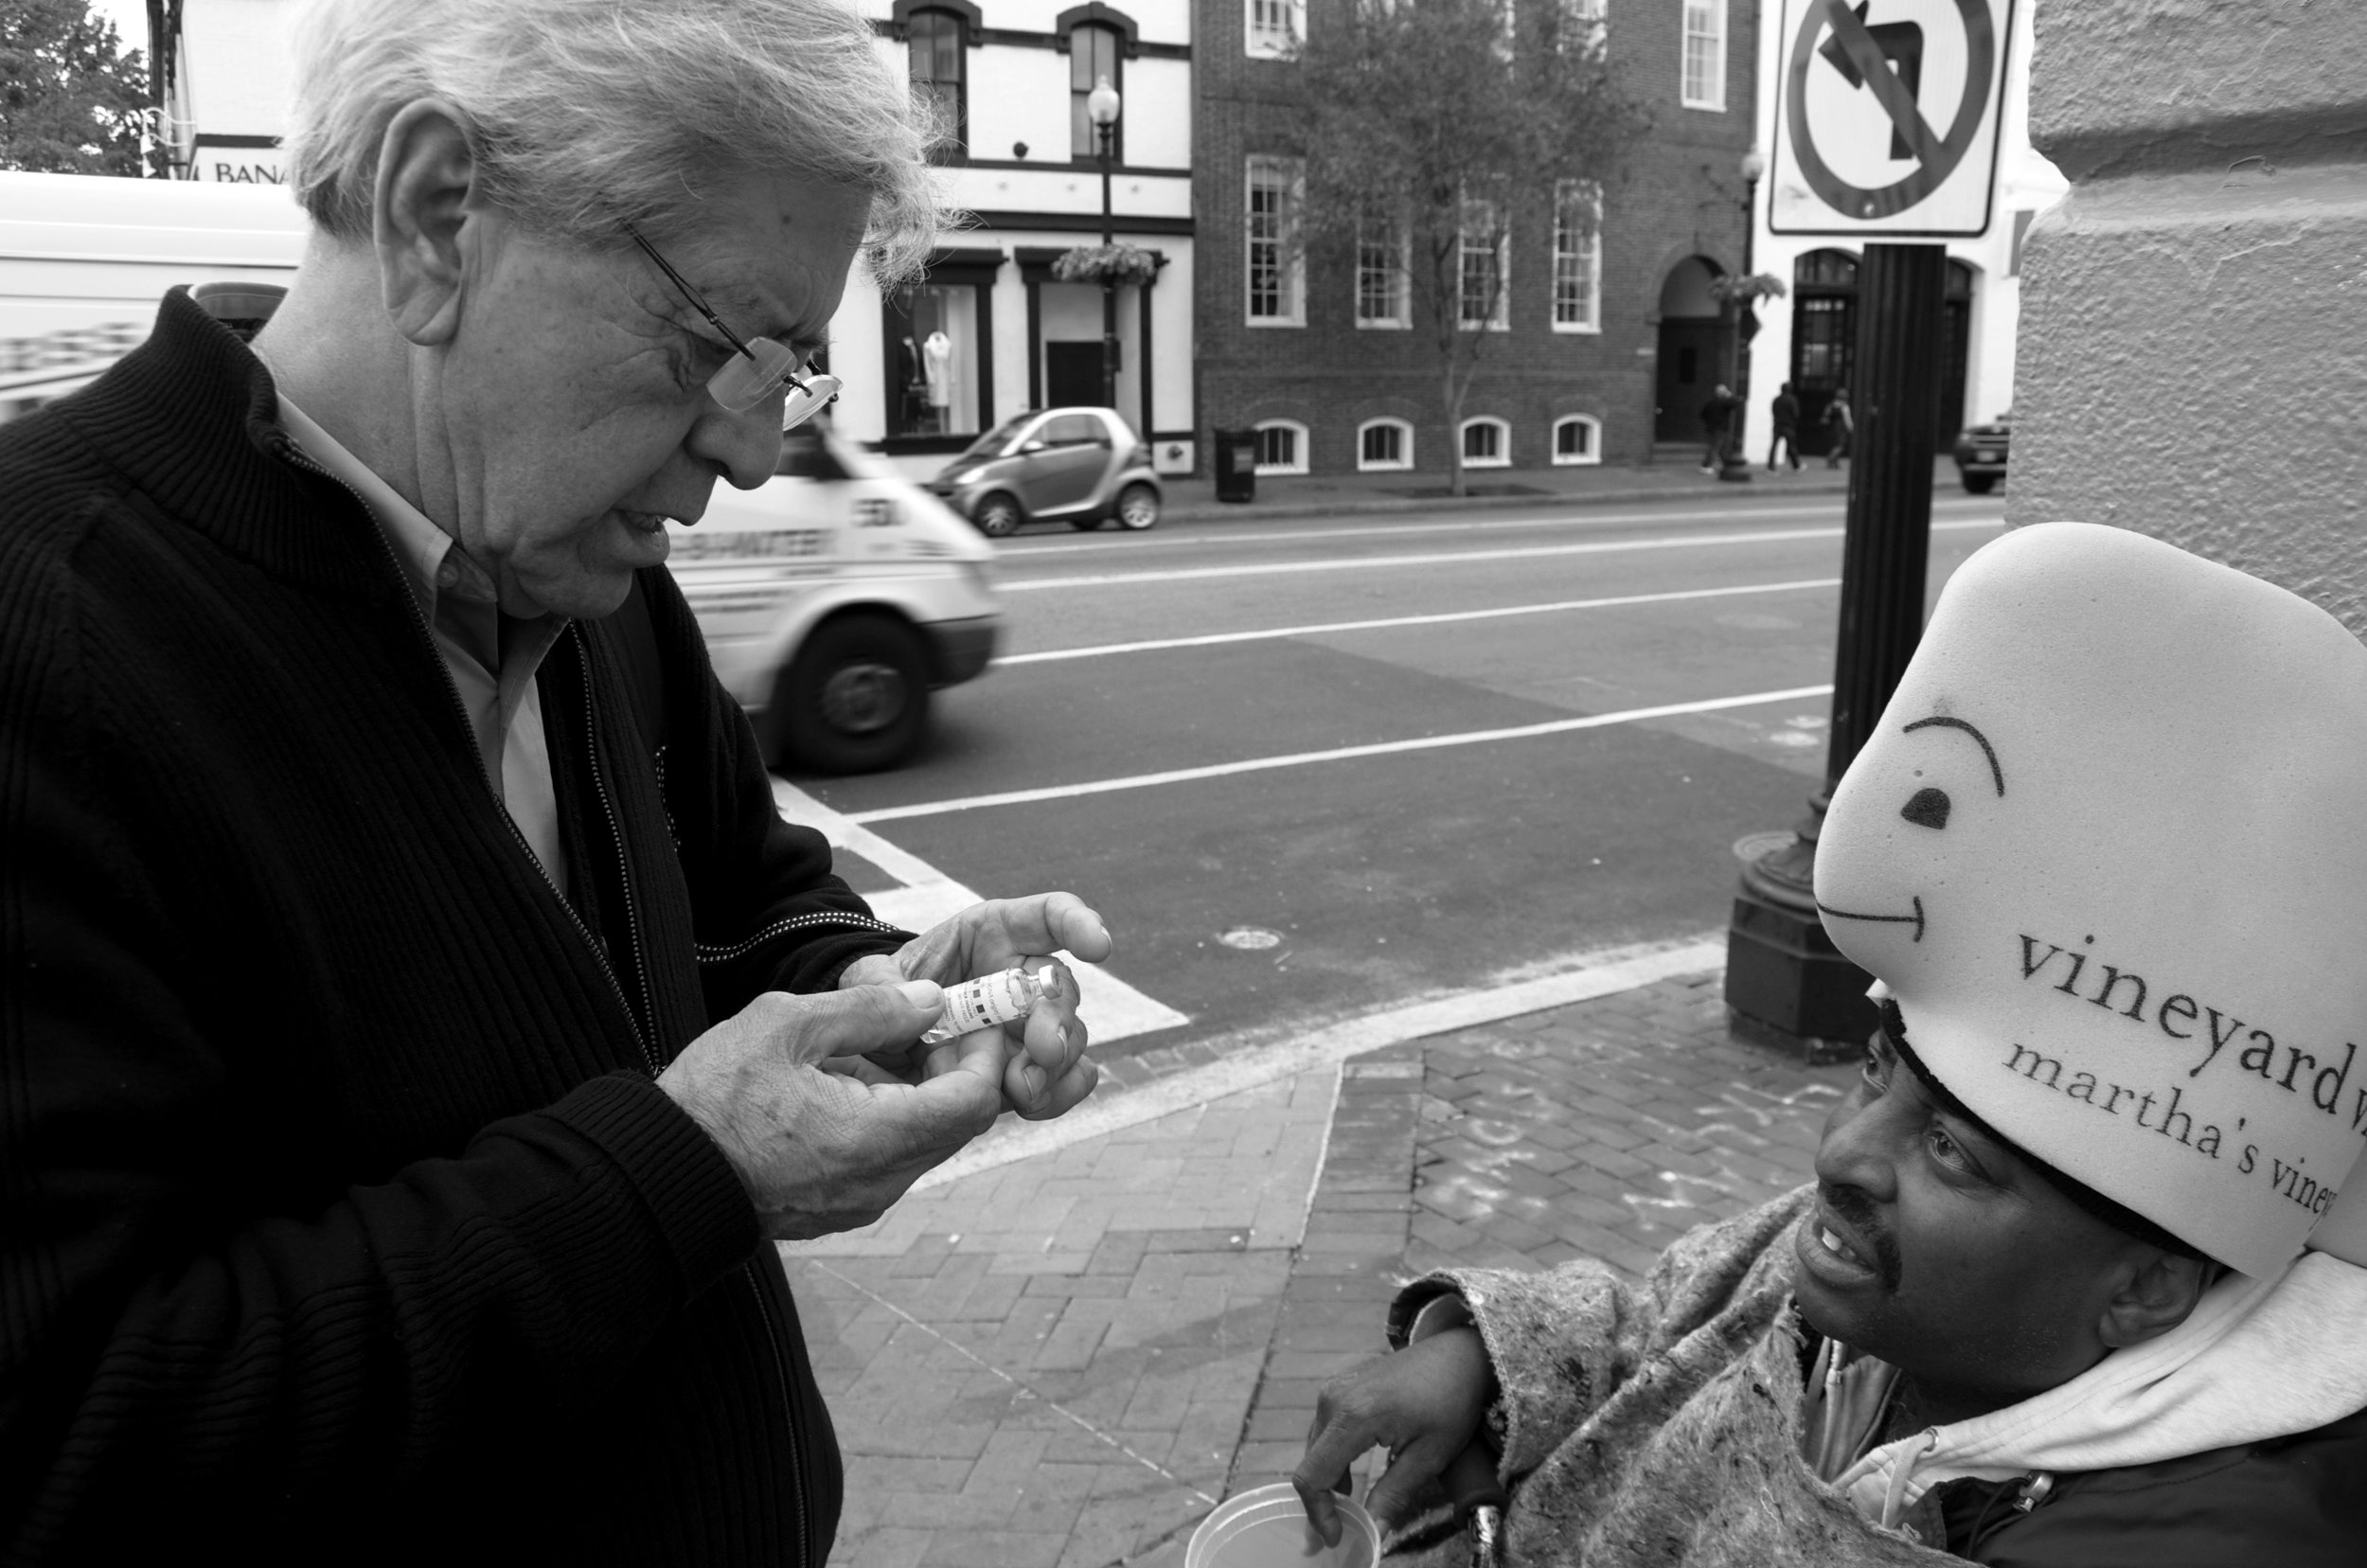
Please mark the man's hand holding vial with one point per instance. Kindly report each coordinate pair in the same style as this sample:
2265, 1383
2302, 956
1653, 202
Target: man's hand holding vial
830, 1107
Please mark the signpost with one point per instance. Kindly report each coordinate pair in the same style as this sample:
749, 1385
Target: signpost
1887, 120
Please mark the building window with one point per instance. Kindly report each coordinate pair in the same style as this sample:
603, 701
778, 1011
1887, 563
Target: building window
1577, 257
1277, 284
1705, 55
1577, 439
934, 40
1275, 26
1486, 443
1487, 293
1281, 447
1092, 53
1383, 446
1383, 280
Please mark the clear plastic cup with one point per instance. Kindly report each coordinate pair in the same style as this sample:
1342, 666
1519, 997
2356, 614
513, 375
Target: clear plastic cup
1267, 1528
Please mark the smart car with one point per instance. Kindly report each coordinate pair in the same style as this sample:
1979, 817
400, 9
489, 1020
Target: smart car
1081, 465
835, 598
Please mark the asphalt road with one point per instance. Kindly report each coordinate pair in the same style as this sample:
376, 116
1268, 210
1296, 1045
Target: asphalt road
1172, 708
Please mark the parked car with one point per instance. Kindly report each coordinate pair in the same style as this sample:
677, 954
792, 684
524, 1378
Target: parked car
1981, 454
834, 597
1081, 465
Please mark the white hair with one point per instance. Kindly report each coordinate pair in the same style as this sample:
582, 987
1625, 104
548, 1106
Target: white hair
590, 114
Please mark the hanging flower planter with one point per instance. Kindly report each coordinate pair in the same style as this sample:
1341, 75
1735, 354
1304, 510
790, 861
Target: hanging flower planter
1119, 263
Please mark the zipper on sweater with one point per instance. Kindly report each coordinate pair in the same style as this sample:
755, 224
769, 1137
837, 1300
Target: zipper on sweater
291, 452
615, 833
789, 1411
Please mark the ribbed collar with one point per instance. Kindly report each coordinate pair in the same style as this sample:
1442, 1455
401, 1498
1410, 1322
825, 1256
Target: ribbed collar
192, 420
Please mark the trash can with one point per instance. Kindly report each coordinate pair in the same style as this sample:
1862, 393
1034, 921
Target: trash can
1237, 465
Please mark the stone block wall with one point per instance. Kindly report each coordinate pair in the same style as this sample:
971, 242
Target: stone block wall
2193, 337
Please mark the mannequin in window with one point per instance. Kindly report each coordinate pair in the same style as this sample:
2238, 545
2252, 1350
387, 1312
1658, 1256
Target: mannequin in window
936, 364
908, 386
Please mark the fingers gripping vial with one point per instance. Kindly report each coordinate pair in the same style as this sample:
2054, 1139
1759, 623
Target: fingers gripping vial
993, 999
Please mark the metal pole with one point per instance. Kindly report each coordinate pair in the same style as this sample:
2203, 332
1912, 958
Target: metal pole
1109, 283
1784, 978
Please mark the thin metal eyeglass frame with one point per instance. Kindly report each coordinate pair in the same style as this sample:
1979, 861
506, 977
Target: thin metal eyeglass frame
698, 302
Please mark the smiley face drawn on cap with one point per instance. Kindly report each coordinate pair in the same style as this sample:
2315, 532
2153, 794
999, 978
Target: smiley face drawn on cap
1929, 807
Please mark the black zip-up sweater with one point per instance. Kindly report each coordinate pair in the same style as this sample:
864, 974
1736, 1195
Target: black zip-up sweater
340, 1218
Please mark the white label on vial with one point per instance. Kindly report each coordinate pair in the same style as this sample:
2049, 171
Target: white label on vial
989, 1000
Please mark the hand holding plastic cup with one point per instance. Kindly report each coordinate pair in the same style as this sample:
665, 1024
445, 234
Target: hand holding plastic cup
1268, 1527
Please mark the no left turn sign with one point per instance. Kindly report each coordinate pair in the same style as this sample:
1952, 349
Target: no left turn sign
1887, 116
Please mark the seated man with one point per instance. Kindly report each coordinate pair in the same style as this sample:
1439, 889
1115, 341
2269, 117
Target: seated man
2073, 1287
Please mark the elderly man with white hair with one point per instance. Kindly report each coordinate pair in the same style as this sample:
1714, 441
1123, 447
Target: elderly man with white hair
418, 1021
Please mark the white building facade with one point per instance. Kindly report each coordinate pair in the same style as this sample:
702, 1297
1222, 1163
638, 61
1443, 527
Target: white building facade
1809, 337
989, 331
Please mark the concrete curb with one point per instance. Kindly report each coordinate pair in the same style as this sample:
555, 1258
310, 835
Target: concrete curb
1366, 504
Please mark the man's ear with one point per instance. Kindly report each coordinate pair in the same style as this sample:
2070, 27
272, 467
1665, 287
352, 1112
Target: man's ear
427, 170
2156, 1299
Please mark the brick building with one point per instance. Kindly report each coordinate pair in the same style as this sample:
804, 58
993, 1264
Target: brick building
1607, 336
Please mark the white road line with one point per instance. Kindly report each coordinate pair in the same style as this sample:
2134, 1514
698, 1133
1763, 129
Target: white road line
1245, 1066
1343, 754
1217, 637
1438, 557
1114, 1008
1022, 548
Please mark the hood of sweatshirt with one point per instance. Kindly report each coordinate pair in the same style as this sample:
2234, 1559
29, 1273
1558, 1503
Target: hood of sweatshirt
2258, 1358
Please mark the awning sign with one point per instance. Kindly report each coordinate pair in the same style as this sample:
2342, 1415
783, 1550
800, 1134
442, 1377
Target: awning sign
1887, 116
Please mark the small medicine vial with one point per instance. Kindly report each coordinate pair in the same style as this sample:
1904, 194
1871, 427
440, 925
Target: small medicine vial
992, 999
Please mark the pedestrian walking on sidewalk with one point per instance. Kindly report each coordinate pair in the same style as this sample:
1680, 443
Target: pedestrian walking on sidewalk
1840, 426
1718, 427
1785, 411
420, 1023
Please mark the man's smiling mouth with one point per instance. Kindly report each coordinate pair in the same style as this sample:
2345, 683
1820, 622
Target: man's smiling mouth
1915, 919
640, 521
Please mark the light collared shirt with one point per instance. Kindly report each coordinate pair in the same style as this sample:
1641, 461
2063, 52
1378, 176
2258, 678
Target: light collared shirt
492, 656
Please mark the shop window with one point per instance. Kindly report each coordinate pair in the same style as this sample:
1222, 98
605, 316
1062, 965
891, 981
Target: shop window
935, 349
1092, 53
1384, 445
1281, 447
939, 76
1486, 443
1577, 439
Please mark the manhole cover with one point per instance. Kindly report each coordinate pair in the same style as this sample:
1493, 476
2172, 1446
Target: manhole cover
1250, 938
1760, 846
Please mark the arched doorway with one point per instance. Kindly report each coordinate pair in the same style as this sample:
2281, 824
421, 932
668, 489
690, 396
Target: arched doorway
1824, 342
1692, 349
1824, 338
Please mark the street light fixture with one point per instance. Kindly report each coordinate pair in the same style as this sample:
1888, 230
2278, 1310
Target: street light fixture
1736, 465
1101, 107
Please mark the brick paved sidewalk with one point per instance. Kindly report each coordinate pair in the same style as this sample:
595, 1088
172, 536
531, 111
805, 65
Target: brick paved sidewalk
1067, 1360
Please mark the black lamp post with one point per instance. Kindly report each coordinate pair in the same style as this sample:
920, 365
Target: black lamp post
1101, 107
1735, 467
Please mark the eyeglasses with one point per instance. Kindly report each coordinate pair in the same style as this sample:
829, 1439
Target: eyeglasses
758, 366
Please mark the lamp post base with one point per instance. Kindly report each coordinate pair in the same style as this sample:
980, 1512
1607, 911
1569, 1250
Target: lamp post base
1785, 983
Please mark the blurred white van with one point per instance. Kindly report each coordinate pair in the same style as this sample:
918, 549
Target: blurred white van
834, 599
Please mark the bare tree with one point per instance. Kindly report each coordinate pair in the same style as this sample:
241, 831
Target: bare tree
1432, 129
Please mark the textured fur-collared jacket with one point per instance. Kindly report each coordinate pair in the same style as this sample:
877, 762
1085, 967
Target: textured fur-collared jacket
1661, 1425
